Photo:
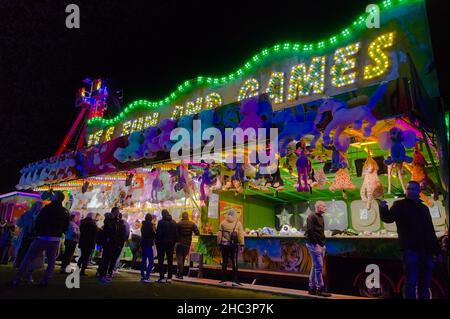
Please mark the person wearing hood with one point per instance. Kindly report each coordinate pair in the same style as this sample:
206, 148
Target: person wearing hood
147, 241
51, 223
185, 230
166, 237
229, 238
417, 239
88, 233
115, 235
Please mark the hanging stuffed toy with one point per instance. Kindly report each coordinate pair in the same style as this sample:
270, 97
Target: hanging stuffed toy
371, 187
304, 168
208, 180
338, 158
343, 117
238, 179
293, 128
395, 140
320, 178
131, 151
419, 174
157, 185
149, 149
342, 180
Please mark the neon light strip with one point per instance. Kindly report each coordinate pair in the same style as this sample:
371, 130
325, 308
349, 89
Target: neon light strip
19, 194
249, 65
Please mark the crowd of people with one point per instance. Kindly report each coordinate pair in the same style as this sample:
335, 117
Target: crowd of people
44, 228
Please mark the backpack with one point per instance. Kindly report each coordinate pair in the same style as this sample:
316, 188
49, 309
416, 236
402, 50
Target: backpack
234, 238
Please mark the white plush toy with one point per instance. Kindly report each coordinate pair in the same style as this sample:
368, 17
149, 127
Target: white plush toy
285, 230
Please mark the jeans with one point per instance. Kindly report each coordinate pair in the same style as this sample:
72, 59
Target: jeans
182, 251
109, 257
317, 254
229, 251
38, 246
165, 249
146, 269
69, 249
418, 268
84, 258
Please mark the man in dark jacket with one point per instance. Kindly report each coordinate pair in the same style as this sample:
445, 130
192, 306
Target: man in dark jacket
88, 233
148, 236
417, 240
315, 238
115, 233
185, 230
166, 237
51, 223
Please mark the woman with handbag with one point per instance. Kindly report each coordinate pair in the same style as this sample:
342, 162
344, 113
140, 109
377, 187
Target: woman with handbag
230, 237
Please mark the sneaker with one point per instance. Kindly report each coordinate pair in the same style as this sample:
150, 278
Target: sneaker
109, 278
146, 281
236, 284
321, 293
311, 291
168, 280
103, 280
179, 277
223, 283
160, 281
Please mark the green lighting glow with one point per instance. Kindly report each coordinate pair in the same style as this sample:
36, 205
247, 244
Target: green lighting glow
256, 60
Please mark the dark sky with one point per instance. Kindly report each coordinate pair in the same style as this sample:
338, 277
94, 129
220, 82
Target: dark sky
146, 48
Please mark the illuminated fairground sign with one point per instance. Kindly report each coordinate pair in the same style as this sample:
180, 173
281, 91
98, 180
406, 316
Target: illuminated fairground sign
292, 73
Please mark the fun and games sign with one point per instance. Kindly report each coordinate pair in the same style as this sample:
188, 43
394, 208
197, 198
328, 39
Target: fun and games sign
291, 73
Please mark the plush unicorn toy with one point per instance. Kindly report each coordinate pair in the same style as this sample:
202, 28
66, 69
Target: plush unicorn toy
396, 140
343, 116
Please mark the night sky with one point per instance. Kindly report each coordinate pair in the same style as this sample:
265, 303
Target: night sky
145, 48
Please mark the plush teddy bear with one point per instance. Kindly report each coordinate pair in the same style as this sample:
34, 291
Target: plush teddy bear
371, 187
255, 113
129, 153
148, 149
163, 141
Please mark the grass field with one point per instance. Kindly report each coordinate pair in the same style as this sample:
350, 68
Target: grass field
124, 285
